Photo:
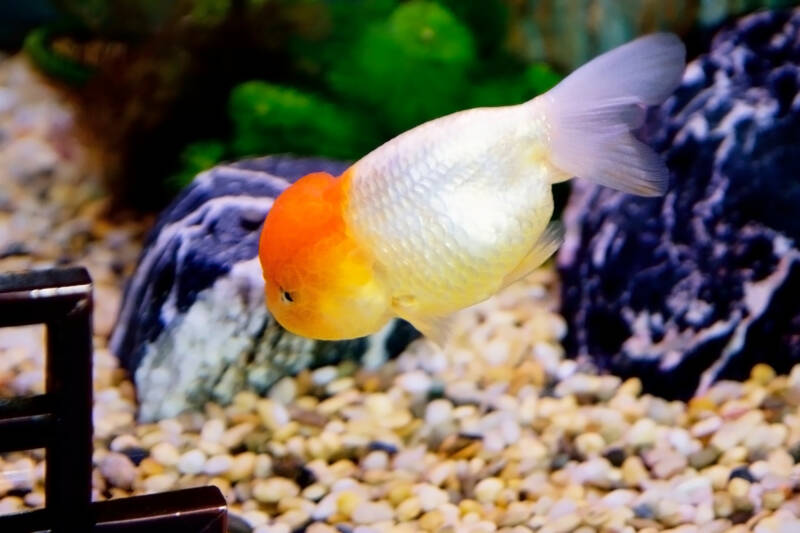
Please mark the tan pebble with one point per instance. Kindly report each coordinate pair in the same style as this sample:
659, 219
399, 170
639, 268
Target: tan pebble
431, 521
487, 490
274, 415
634, 471
762, 374
295, 502
165, 454
246, 400
780, 462
234, 437
630, 387
314, 492
467, 506
255, 517
738, 488
589, 444
734, 456
11, 504
160, 482
242, 466
516, 514
372, 512
262, 468
346, 502
272, 490
723, 504
409, 509
772, 499
286, 431
150, 467
321, 527
294, 518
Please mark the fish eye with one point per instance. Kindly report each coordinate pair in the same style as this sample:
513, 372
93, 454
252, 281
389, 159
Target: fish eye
286, 296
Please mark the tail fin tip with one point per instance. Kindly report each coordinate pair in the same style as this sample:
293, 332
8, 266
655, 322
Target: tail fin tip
592, 112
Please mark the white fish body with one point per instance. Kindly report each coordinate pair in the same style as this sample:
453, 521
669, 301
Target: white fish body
458, 207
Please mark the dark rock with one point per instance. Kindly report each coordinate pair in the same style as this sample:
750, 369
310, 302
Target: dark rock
237, 524
136, 454
193, 325
701, 284
616, 456
381, 446
742, 472
644, 510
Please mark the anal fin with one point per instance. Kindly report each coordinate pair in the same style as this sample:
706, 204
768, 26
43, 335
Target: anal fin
548, 243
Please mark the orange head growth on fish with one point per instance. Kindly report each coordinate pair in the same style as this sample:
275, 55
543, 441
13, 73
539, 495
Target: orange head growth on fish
319, 283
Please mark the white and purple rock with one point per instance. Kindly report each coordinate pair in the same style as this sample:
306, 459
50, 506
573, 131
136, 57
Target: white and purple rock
193, 325
701, 284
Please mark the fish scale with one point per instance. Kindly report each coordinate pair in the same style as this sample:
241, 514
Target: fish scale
427, 203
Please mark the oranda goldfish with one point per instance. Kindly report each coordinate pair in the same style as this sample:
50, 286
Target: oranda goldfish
448, 213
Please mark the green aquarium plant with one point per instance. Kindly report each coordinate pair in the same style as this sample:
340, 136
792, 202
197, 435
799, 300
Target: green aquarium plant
406, 63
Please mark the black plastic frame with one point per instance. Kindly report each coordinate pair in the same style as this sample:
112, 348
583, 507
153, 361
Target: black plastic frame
60, 421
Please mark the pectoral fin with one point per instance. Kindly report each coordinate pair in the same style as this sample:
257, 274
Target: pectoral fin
434, 328
546, 246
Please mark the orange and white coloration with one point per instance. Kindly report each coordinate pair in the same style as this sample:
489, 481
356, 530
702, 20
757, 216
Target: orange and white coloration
448, 213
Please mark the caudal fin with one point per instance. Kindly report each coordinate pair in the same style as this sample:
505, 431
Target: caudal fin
592, 112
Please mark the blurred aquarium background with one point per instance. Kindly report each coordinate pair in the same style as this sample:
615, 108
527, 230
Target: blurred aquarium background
171, 87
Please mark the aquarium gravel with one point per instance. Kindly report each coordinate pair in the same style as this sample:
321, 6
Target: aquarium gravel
497, 432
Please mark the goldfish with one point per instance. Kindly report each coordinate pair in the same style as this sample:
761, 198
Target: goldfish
447, 214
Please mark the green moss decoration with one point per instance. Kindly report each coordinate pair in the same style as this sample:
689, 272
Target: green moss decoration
195, 158
410, 68
269, 119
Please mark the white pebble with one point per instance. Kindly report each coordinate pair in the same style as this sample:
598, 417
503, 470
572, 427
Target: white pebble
371, 512
438, 412
416, 383
377, 460
192, 462
323, 375
124, 442
212, 430
218, 464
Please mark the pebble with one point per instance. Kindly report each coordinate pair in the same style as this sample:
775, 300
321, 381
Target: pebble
274, 489
191, 462
487, 490
218, 465
118, 469
165, 453
371, 512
